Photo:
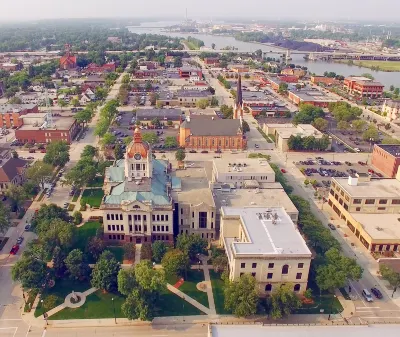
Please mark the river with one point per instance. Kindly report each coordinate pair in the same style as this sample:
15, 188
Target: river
318, 67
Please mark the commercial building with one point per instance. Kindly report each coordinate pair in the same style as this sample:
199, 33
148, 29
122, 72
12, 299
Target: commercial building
211, 61
209, 133
294, 72
138, 205
145, 116
324, 80
40, 128
11, 66
386, 158
282, 133
240, 68
12, 172
195, 74
311, 96
11, 113
184, 98
370, 208
194, 203
105, 68
392, 109
265, 243
275, 81
363, 87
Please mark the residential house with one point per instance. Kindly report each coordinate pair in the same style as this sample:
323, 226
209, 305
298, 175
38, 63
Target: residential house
12, 172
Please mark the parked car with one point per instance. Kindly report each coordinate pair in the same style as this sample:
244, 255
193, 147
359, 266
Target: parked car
204, 151
331, 226
192, 151
30, 158
377, 293
66, 204
28, 227
367, 295
347, 163
20, 239
14, 250
283, 170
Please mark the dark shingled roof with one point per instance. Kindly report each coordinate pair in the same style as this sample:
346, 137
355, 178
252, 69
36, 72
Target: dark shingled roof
11, 168
206, 126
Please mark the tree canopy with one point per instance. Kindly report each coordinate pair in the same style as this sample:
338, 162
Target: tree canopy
105, 272
283, 301
191, 245
57, 153
307, 114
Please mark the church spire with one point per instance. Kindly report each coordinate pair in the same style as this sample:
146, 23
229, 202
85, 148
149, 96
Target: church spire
238, 110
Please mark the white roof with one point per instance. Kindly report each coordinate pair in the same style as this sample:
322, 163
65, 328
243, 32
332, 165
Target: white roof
270, 231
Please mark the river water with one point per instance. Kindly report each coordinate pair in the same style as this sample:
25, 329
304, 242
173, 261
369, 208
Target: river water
318, 67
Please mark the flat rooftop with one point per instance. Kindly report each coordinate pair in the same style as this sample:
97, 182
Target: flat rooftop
255, 96
287, 130
269, 231
159, 113
193, 93
394, 150
269, 195
376, 188
194, 187
4, 108
247, 165
369, 330
379, 226
59, 123
313, 95
358, 78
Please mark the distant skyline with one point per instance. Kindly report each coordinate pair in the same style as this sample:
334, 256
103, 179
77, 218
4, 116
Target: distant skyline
353, 10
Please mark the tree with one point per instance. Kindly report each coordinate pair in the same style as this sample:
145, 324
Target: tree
192, 245
359, 125
129, 251
343, 125
150, 137
371, 133
170, 142
367, 75
212, 46
77, 216
149, 279
127, 140
14, 154
227, 111
49, 213
202, 103
83, 117
146, 252
62, 103
336, 270
31, 272
180, 155
76, 267
15, 100
307, 114
320, 124
105, 272
118, 152
101, 93
95, 247
50, 302
108, 138
283, 88
40, 172
284, 301
245, 127
159, 249
148, 86
59, 266
17, 196
214, 102
241, 296
175, 262
4, 218
155, 122
75, 102
396, 92
390, 275
126, 281
57, 153
82, 173
125, 79
153, 98
220, 263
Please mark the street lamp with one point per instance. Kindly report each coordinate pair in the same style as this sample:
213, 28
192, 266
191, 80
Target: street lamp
330, 313
198, 265
115, 317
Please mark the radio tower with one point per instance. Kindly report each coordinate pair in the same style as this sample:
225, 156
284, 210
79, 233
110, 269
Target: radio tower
49, 116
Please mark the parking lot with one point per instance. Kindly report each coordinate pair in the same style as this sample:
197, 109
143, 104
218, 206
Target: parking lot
323, 170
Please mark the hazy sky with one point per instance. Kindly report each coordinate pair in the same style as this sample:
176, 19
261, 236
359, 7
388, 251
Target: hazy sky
269, 9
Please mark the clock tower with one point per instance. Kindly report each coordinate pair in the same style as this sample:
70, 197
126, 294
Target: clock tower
138, 159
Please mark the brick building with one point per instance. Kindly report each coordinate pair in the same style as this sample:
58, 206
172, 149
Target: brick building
11, 113
211, 61
68, 61
105, 68
186, 72
386, 158
209, 133
363, 87
34, 128
324, 80
314, 97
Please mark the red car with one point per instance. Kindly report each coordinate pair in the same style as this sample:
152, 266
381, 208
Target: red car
283, 170
14, 250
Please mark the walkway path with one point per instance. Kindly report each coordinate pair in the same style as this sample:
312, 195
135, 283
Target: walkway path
138, 249
189, 299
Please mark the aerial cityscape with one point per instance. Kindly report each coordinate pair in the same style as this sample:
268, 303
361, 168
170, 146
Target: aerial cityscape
194, 170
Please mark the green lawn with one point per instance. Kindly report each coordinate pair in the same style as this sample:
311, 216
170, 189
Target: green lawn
218, 292
118, 252
76, 196
170, 304
61, 289
97, 182
97, 305
84, 233
93, 196
383, 65
189, 286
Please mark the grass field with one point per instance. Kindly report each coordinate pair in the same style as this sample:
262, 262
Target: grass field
117, 251
97, 182
93, 196
84, 233
218, 292
382, 65
76, 195
189, 287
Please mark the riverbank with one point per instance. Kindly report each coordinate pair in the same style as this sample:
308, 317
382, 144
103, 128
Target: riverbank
386, 66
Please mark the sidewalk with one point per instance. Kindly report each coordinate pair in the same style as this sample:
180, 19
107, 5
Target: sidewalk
189, 299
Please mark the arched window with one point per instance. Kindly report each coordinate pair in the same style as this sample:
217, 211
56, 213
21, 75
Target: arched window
268, 287
285, 269
296, 287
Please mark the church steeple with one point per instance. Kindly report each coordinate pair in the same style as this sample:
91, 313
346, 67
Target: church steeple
238, 110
